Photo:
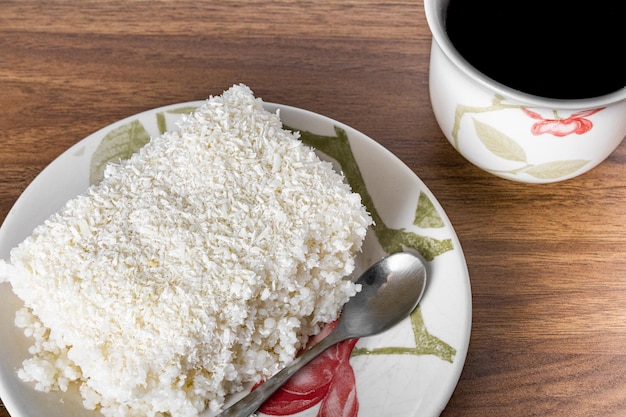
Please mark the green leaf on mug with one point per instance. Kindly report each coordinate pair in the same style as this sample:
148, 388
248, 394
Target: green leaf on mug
556, 169
499, 143
118, 145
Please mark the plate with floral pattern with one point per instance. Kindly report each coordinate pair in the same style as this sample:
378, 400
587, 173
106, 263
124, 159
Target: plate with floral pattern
410, 370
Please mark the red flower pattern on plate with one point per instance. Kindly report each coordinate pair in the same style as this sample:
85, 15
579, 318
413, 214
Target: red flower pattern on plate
328, 380
576, 123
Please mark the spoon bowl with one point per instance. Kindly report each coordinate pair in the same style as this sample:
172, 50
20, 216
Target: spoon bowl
390, 291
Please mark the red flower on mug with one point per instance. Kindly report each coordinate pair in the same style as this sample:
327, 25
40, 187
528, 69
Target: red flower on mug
576, 123
327, 380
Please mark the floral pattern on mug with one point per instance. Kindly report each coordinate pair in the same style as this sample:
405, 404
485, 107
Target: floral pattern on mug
501, 145
328, 380
559, 127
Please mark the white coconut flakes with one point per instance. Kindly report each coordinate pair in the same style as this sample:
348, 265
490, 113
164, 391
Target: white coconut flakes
198, 266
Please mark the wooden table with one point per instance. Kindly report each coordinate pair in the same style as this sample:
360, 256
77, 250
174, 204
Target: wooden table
547, 262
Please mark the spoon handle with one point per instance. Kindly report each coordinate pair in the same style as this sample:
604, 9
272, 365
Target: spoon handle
253, 401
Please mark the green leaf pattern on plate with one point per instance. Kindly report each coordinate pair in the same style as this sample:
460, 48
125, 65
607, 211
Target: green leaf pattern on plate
506, 147
118, 145
426, 215
391, 240
122, 142
425, 343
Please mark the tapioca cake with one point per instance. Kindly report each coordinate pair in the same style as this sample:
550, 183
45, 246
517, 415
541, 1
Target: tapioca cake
196, 267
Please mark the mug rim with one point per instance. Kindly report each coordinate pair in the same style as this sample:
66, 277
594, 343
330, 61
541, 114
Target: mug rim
435, 10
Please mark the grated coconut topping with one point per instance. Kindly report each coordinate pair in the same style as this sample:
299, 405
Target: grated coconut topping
197, 267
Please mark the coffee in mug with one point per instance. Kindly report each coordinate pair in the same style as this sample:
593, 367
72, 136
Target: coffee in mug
553, 49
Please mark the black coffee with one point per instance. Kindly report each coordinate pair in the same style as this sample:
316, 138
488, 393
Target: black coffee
555, 49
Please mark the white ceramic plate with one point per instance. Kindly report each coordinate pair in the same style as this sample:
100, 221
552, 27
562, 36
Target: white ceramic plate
410, 371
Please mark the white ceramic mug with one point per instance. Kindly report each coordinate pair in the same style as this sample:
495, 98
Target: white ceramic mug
512, 134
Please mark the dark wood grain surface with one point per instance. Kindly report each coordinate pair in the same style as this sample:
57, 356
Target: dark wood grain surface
547, 262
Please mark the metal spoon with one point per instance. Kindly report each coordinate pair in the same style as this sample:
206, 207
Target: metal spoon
391, 289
